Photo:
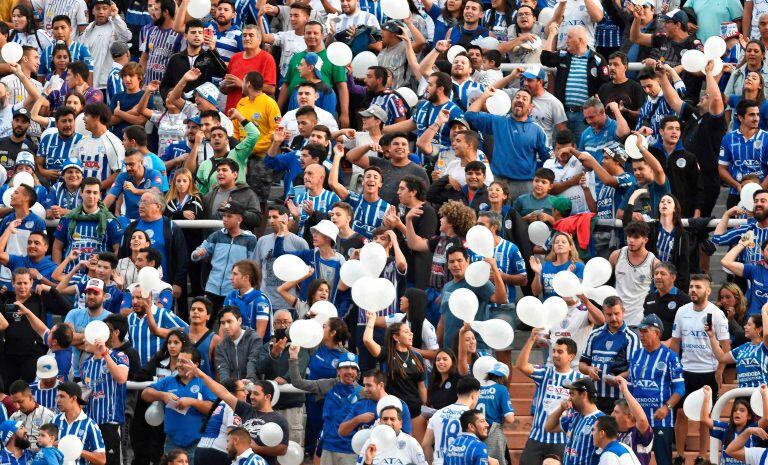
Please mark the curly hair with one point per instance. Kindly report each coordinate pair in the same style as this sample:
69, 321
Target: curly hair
458, 215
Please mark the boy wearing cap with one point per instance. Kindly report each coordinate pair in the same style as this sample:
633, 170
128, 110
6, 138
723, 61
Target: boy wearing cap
73, 420
64, 196
224, 248
56, 146
46, 387
106, 28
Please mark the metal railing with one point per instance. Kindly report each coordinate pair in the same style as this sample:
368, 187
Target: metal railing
634, 66
184, 224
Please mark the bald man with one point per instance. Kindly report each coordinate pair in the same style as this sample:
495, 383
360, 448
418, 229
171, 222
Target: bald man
311, 197
273, 361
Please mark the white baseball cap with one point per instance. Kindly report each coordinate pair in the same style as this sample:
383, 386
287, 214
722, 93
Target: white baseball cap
47, 367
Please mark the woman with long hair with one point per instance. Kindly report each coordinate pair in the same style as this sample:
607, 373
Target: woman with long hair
184, 202
753, 89
668, 239
405, 368
741, 418
318, 289
126, 266
25, 30
254, 305
60, 58
499, 17
754, 61
413, 306
175, 457
441, 391
748, 374
562, 255
444, 18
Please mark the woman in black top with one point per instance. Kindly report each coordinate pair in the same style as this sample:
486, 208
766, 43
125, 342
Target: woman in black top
23, 345
442, 381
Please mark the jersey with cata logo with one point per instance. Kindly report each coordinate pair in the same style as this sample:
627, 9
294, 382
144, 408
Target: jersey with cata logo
446, 428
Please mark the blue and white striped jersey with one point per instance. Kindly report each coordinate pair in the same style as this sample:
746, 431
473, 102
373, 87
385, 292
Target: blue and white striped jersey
159, 44
392, 103
228, 42
654, 110
446, 428
654, 377
467, 449
579, 446
101, 156
549, 393
55, 149
426, 113
106, 404
63, 197
368, 216
247, 13
609, 198
664, 245
601, 350
249, 458
85, 429
7, 457
78, 52
322, 202
145, 343
576, 89
751, 364
744, 156
374, 7
45, 397
732, 236
114, 83
509, 260
461, 92
254, 305
618, 453
87, 236
214, 435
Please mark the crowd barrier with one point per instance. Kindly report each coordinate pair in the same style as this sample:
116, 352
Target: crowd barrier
507, 67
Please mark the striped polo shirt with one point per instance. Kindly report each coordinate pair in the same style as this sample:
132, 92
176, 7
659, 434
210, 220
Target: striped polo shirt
549, 393
85, 429
576, 90
368, 215
106, 404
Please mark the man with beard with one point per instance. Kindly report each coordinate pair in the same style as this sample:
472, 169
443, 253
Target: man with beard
425, 114
759, 228
469, 29
634, 265
383, 96
346, 30
468, 448
700, 365
160, 42
622, 90
17, 141
228, 36
239, 448
516, 139
207, 60
15, 443
744, 151
252, 416
144, 341
667, 298
461, 73
55, 146
575, 416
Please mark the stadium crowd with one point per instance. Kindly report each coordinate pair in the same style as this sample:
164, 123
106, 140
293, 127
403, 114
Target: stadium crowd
312, 129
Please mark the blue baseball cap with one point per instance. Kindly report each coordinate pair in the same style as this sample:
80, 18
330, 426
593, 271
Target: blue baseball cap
651, 321
313, 60
347, 359
7, 429
72, 163
535, 72
194, 120
499, 369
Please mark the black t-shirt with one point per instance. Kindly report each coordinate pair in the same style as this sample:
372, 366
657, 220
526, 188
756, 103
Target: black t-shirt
419, 262
630, 93
355, 241
702, 135
404, 383
20, 338
444, 394
671, 51
9, 149
438, 246
252, 420
665, 307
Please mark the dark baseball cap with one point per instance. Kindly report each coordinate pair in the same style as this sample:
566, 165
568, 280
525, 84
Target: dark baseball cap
72, 389
651, 321
22, 112
676, 15
118, 49
582, 385
394, 27
232, 207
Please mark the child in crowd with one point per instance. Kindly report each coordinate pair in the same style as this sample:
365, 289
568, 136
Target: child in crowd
490, 73
537, 205
47, 440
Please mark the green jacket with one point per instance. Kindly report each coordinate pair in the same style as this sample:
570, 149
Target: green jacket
206, 172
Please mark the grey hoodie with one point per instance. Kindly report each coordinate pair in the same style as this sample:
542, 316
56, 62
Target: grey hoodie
238, 361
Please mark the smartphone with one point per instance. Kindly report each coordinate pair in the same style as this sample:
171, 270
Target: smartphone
709, 320
208, 32
280, 333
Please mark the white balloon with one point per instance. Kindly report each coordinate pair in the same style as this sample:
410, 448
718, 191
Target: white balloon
567, 284
747, 195
149, 280
538, 233
388, 401
496, 333
276, 395
306, 333
3, 175
530, 311
7, 196
693, 61
396, 9
693, 403
374, 258
155, 413
478, 273
71, 446
271, 434
599, 294
756, 402
362, 62
545, 16
499, 103
453, 51
630, 146
289, 268
293, 456
717, 66
480, 241
323, 311
359, 440
80, 125
199, 8
555, 309
12, 52
408, 95
384, 437
481, 367
23, 177
597, 272
38, 210
714, 47
374, 294
351, 271
487, 43
94, 330
339, 54
463, 304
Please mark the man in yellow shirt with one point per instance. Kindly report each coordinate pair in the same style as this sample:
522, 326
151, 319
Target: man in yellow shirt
261, 109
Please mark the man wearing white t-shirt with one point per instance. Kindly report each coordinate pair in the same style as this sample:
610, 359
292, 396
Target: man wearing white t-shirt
407, 450
571, 180
444, 425
585, 13
689, 338
307, 96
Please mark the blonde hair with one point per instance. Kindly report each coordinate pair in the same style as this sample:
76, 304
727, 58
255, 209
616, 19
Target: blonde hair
741, 301
573, 253
172, 193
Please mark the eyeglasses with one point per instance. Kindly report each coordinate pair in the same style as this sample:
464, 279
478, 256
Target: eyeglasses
524, 14
148, 202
